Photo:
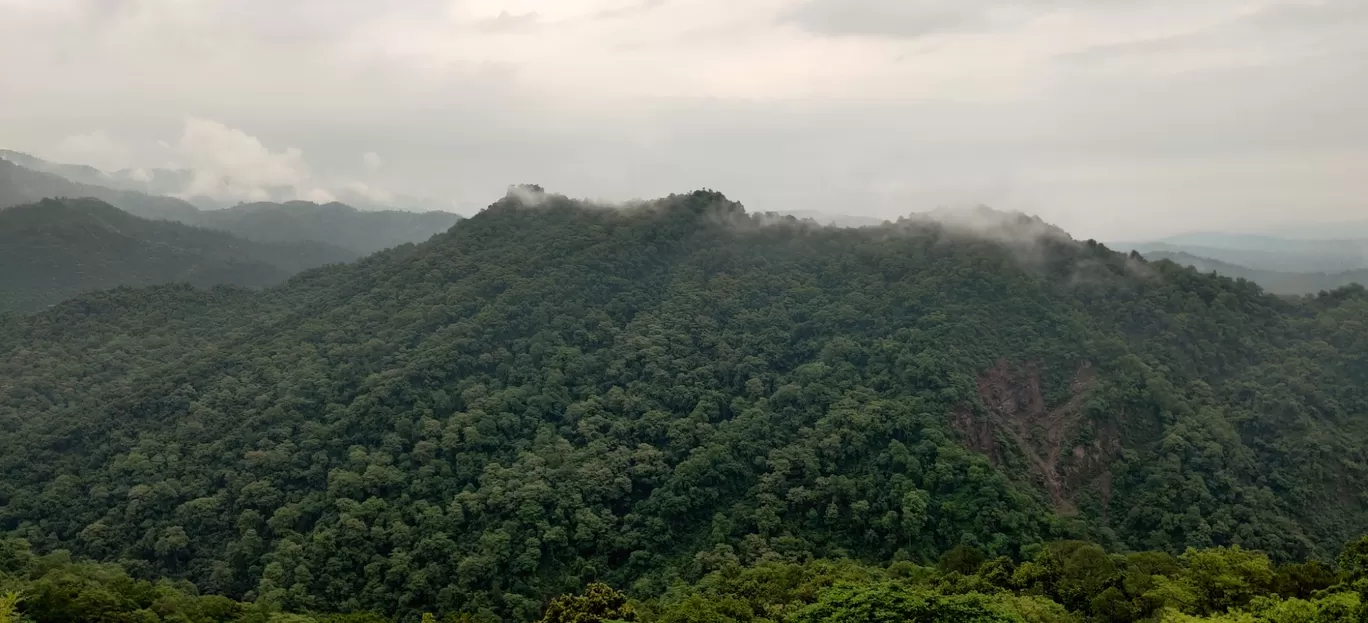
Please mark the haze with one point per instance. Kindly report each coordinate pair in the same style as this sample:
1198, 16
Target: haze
1114, 120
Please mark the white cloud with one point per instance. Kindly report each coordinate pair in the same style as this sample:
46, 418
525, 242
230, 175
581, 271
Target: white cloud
96, 149
1108, 117
231, 164
371, 194
371, 161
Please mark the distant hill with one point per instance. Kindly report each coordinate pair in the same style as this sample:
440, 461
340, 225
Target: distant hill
1262, 252
57, 248
1273, 281
177, 182
336, 224
148, 181
20, 185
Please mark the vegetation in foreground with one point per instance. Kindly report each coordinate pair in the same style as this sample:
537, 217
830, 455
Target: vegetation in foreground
1063, 582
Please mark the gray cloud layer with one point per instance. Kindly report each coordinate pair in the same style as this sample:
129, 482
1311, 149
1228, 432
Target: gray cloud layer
1111, 119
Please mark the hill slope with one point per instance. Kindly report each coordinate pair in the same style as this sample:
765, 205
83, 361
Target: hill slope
55, 249
555, 392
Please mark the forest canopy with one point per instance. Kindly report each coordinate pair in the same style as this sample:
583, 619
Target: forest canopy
893, 422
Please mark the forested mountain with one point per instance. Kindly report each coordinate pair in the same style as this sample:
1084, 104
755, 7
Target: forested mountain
360, 232
656, 397
1277, 282
57, 248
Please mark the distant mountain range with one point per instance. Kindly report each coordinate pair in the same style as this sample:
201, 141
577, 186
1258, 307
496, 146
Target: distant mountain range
1263, 252
177, 182
1277, 282
61, 234
1279, 265
57, 248
361, 232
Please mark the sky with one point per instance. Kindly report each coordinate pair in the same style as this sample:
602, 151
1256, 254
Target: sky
1115, 119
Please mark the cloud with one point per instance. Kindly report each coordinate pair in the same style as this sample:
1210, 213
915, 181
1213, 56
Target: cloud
371, 161
505, 21
95, 148
365, 195
892, 18
1109, 118
230, 164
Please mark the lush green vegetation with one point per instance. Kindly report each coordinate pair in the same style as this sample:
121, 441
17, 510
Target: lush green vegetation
675, 396
57, 248
1062, 582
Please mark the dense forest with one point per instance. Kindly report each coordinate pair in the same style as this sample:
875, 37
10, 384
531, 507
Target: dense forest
57, 248
1061, 582
727, 416
359, 232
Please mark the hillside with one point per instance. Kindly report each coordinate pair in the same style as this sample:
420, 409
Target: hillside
1273, 281
57, 248
555, 393
334, 224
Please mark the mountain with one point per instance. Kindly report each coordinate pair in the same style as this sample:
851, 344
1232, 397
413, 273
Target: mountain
556, 393
20, 185
57, 248
334, 224
146, 181
1273, 281
1264, 252
180, 182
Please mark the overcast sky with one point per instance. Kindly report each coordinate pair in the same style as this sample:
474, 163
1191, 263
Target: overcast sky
1116, 119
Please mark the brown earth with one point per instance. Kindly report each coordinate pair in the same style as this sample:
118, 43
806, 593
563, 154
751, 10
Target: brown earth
1015, 420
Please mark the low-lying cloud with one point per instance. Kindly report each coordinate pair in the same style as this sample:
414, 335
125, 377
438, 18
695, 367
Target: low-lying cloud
213, 164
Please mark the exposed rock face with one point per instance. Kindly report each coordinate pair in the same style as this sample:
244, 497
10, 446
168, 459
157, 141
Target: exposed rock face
1064, 451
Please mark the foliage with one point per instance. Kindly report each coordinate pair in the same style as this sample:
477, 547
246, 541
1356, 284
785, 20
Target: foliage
598, 603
